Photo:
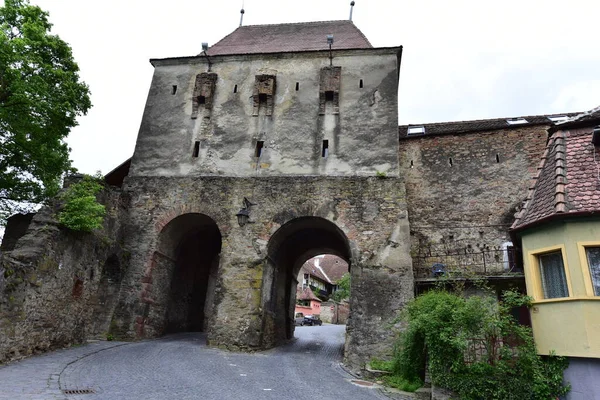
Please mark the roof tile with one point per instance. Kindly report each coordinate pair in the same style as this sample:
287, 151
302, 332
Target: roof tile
283, 38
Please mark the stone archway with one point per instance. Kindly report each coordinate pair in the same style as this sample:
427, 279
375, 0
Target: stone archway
184, 279
289, 247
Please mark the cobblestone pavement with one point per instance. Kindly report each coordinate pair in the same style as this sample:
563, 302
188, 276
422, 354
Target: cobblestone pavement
182, 367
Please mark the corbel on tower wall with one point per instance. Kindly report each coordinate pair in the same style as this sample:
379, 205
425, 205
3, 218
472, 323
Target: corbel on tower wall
330, 83
264, 92
204, 91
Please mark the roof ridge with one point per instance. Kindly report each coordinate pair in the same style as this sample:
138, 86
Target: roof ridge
490, 119
560, 177
300, 23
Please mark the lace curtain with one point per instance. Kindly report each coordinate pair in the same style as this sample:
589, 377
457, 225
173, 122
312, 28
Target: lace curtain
554, 281
593, 256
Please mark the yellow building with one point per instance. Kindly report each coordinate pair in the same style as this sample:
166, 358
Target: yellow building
559, 230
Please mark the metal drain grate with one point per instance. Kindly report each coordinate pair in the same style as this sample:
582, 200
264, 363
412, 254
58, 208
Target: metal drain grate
78, 391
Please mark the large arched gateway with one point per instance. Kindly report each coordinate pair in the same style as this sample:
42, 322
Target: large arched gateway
289, 247
187, 261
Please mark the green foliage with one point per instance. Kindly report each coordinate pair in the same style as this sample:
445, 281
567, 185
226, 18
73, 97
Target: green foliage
343, 291
381, 365
81, 211
110, 337
381, 175
475, 347
41, 96
400, 383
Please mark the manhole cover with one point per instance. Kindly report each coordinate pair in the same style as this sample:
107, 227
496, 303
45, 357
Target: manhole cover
361, 383
78, 391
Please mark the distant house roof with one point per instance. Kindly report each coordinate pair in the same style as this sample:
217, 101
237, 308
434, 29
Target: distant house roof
306, 294
457, 127
334, 267
282, 38
327, 268
567, 181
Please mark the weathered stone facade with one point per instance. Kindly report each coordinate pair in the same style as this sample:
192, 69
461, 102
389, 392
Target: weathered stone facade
463, 190
57, 287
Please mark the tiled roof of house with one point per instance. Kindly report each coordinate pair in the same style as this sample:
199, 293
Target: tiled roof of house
309, 267
306, 294
334, 266
456, 127
328, 268
282, 38
568, 179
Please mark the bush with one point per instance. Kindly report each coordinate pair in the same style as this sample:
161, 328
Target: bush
81, 211
475, 347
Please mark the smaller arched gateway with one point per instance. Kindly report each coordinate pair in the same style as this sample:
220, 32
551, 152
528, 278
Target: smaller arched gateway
290, 246
186, 263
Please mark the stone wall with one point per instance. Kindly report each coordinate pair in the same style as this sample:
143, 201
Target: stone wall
462, 193
198, 129
58, 287
371, 213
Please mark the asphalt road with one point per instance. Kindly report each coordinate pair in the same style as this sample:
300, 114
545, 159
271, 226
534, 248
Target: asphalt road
182, 367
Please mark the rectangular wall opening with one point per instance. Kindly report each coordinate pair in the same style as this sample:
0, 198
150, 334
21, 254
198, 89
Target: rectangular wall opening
297, 86
235, 89
329, 96
259, 148
201, 100
325, 150
174, 89
196, 149
360, 84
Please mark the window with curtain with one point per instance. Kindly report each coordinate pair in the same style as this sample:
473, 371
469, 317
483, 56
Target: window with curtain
552, 272
593, 257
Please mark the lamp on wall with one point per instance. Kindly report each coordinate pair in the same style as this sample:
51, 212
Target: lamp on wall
243, 216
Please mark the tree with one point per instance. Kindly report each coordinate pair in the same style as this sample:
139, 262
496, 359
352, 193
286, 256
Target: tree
81, 211
41, 95
343, 285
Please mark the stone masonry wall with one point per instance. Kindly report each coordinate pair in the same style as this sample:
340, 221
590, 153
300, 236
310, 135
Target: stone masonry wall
370, 211
462, 193
58, 287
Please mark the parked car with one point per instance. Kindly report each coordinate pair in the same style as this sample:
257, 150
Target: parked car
312, 320
299, 319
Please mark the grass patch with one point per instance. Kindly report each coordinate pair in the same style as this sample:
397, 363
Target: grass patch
398, 382
381, 365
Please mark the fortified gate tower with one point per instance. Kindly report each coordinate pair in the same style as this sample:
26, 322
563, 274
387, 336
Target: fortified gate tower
267, 149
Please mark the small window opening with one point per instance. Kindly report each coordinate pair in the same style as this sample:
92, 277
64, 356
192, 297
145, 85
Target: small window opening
325, 151
497, 158
329, 96
411, 163
450, 161
262, 98
235, 89
174, 89
259, 148
196, 149
297, 86
360, 84
201, 100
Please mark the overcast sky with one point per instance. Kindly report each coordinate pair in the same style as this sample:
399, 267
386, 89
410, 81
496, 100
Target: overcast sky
463, 59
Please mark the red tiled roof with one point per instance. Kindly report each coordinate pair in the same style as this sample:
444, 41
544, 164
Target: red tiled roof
334, 266
568, 178
281, 38
306, 294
